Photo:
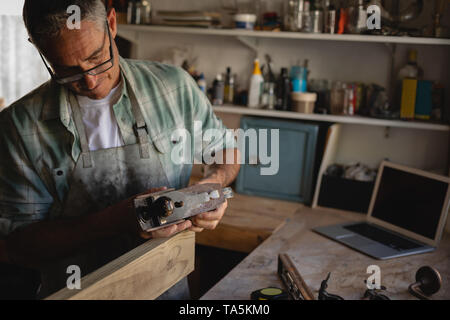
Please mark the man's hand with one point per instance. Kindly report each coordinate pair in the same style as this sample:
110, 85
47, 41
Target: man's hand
208, 220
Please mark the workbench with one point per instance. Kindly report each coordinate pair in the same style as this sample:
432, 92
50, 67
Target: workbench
247, 222
315, 256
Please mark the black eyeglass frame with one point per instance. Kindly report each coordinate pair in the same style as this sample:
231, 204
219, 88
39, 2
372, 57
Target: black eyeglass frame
80, 76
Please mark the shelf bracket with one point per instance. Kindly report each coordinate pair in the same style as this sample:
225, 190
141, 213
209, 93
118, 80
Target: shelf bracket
252, 43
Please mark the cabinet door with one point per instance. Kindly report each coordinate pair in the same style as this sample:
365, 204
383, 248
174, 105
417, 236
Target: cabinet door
297, 149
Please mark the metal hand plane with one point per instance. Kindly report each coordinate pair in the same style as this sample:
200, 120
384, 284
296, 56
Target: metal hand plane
164, 208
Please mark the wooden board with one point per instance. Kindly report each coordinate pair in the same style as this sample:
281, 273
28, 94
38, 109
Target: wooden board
143, 273
329, 156
315, 256
247, 222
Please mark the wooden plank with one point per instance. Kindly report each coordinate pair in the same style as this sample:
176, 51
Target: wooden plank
247, 222
314, 256
328, 159
143, 273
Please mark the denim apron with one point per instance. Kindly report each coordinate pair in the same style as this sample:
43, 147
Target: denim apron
103, 178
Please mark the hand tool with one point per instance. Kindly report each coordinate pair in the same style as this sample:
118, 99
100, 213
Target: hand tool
428, 282
323, 294
297, 288
164, 208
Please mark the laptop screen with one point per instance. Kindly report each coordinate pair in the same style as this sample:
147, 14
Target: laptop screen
410, 201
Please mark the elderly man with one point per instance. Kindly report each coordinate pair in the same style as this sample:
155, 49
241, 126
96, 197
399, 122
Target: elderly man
76, 150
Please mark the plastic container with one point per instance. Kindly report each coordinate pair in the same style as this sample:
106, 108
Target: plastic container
299, 78
303, 102
256, 86
245, 21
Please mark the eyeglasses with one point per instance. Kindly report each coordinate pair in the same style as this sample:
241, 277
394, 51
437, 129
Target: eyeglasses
103, 67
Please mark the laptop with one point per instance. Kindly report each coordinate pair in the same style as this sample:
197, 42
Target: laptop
407, 214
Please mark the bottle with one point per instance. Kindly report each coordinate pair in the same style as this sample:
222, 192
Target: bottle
410, 71
330, 18
361, 19
283, 90
268, 97
201, 82
256, 84
316, 17
229, 87
307, 18
131, 12
337, 98
218, 90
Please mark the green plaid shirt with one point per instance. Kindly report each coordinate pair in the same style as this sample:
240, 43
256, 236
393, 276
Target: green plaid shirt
39, 145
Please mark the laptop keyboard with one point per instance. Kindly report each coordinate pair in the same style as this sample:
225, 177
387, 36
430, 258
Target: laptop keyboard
382, 236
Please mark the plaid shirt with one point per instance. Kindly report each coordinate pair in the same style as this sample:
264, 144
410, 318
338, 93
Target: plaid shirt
39, 144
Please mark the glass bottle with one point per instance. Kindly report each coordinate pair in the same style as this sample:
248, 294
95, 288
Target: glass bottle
229, 87
283, 90
330, 18
337, 98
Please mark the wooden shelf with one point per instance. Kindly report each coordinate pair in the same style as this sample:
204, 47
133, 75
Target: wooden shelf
285, 35
332, 118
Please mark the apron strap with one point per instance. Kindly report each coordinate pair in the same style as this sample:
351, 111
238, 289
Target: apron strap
140, 128
78, 119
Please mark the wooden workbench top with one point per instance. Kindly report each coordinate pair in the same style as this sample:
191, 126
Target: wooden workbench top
247, 222
315, 256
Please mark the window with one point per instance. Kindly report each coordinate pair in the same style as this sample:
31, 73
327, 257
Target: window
21, 69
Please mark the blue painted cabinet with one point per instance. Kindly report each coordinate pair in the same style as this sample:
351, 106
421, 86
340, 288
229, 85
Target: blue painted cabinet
297, 145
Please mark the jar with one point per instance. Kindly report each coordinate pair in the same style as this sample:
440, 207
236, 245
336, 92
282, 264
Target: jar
245, 21
303, 102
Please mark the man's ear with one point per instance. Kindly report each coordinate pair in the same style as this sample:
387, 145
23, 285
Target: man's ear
112, 20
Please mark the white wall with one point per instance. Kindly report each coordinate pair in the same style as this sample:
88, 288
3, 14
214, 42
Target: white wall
11, 7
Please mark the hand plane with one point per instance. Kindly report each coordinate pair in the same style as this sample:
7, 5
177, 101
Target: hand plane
164, 208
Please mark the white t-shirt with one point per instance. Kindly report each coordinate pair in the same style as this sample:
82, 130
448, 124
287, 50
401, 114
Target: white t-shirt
99, 121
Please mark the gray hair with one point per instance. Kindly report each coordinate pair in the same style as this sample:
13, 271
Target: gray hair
45, 19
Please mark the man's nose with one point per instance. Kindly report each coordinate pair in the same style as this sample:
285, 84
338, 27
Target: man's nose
90, 81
